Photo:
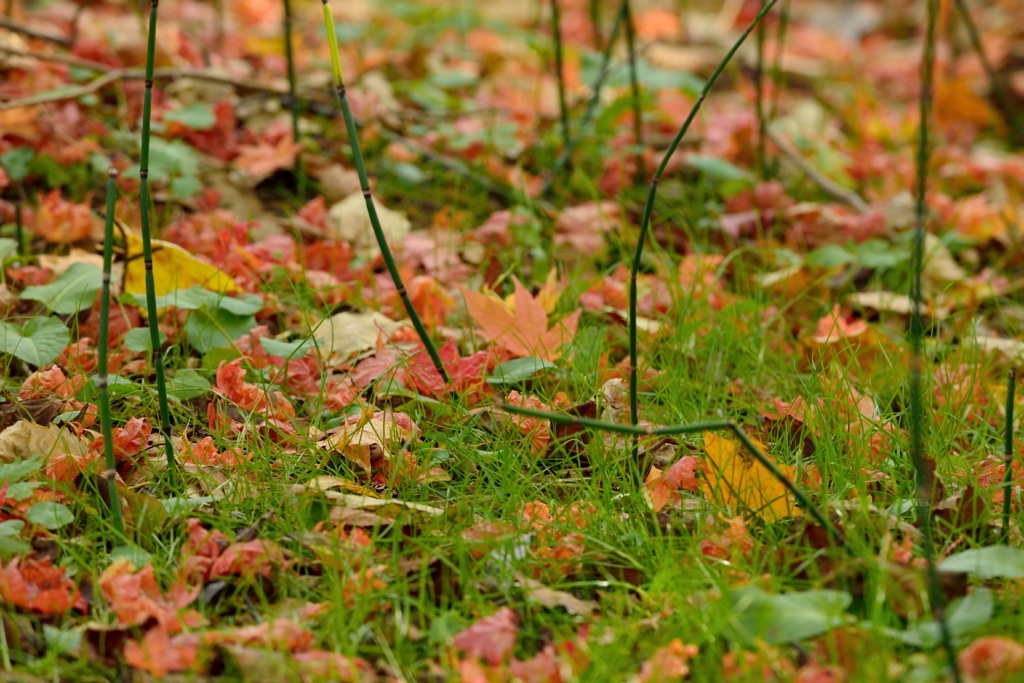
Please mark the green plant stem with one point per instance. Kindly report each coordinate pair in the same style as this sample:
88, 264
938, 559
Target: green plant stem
556, 30
570, 147
922, 478
371, 208
595, 22
634, 84
293, 101
762, 121
691, 428
1011, 386
19, 230
1010, 111
649, 208
147, 253
102, 378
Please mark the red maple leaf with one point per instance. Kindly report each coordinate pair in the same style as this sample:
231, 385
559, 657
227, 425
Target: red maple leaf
40, 587
128, 440
249, 558
466, 374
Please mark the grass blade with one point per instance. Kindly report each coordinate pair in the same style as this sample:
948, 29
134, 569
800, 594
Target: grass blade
147, 252
293, 102
101, 377
364, 182
645, 221
917, 409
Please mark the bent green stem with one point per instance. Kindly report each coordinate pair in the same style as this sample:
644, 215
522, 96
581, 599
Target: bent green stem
147, 254
102, 378
692, 428
922, 478
371, 208
649, 207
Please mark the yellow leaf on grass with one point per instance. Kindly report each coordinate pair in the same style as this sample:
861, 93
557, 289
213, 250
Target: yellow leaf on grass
733, 478
173, 268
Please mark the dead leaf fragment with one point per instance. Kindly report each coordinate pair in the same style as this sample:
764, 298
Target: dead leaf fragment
346, 334
733, 478
350, 221
25, 439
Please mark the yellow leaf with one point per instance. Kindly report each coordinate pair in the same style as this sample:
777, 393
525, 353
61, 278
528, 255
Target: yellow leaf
173, 268
733, 478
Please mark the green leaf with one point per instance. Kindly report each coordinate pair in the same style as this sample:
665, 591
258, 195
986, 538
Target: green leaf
991, 562
16, 471
22, 490
139, 340
7, 246
786, 617
10, 544
880, 254
717, 168
16, 162
62, 642
963, 616
295, 349
185, 187
39, 342
50, 515
74, 290
197, 116
518, 370
194, 298
187, 384
133, 553
830, 256
209, 329
11, 527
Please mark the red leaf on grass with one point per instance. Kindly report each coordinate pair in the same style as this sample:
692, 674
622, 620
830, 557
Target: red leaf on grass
992, 659
492, 638
681, 475
249, 558
135, 598
263, 159
128, 440
159, 654
466, 374
39, 587
668, 664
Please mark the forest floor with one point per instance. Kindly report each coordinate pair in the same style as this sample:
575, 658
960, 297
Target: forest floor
336, 509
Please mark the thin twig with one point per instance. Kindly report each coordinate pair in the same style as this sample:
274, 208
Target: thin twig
827, 185
922, 478
32, 33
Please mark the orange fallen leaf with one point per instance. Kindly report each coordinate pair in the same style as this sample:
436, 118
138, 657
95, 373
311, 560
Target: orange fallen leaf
524, 332
732, 478
263, 159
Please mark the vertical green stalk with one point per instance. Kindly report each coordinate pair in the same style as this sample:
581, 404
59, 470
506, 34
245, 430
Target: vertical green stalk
371, 208
634, 85
595, 22
19, 230
293, 102
1016, 122
762, 121
574, 142
922, 479
1008, 455
778, 78
645, 221
102, 377
556, 29
147, 253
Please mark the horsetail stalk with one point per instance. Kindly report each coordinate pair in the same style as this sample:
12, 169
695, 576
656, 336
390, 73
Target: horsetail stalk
371, 208
293, 102
922, 479
692, 428
102, 378
762, 121
556, 30
1011, 386
147, 252
574, 142
634, 84
645, 221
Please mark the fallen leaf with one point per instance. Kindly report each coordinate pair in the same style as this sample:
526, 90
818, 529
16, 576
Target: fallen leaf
668, 663
524, 332
992, 659
549, 597
350, 221
346, 334
492, 638
26, 439
174, 269
262, 160
732, 478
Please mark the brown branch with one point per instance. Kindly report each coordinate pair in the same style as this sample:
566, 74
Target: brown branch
32, 33
827, 185
112, 75
59, 57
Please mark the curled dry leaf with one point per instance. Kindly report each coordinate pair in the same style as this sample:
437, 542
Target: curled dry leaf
363, 440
